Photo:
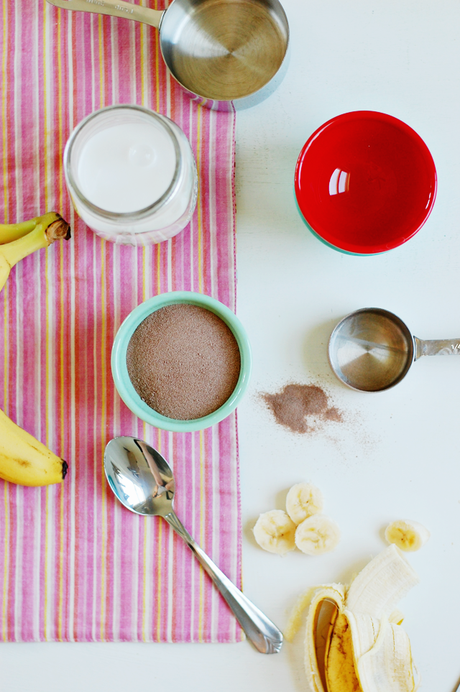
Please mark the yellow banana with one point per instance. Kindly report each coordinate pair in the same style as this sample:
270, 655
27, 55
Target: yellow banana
13, 231
23, 459
45, 231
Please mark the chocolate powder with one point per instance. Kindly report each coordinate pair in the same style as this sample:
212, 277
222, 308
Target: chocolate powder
296, 405
183, 361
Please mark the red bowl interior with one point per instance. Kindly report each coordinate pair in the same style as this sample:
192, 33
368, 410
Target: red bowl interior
365, 182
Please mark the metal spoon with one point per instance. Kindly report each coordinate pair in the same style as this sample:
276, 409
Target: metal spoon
372, 349
143, 482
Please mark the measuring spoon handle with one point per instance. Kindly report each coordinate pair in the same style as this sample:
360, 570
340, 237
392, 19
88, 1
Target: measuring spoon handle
437, 347
261, 631
114, 8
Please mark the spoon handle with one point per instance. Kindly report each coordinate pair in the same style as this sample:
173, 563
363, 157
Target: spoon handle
114, 8
261, 631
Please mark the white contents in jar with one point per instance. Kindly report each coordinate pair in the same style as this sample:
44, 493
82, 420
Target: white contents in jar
126, 167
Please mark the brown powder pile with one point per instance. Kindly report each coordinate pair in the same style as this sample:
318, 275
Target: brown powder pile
299, 406
183, 361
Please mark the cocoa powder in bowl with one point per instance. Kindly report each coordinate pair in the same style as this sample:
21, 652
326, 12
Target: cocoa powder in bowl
183, 361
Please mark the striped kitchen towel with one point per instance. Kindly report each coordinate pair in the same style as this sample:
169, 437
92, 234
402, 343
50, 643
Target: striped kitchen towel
74, 564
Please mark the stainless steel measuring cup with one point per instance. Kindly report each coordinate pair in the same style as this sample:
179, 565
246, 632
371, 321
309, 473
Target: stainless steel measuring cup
372, 349
220, 51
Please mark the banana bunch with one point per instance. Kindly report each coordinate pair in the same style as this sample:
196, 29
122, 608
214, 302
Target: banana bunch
354, 639
23, 459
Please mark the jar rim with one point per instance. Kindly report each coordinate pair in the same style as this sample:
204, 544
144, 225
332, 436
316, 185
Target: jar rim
131, 215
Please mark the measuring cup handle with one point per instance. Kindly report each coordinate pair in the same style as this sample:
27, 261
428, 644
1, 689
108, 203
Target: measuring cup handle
437, 347
114, 8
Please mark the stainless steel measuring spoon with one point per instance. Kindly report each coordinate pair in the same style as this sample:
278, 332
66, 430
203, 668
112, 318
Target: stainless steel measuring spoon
372, 349
220, 51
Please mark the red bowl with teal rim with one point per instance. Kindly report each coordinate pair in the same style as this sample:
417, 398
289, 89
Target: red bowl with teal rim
365, 182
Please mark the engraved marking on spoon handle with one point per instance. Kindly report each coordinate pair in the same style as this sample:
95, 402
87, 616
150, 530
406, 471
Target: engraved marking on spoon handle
261, 631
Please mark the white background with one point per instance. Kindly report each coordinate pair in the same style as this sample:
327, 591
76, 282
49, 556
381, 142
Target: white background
397, 455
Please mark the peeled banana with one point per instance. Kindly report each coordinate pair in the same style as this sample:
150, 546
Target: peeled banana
407, 535
23, 459
353, 643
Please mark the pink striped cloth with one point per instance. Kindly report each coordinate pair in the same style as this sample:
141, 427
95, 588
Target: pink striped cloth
74, 564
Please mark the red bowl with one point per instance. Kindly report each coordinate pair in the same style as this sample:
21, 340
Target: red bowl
365, 182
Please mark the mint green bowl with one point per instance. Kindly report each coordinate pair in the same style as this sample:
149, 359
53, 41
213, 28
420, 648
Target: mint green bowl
123, 382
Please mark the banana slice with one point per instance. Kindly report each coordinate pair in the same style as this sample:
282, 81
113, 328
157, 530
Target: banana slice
317, 535
407, 535
302, 501
275, 532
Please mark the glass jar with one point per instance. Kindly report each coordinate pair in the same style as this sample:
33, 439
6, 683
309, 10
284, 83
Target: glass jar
131, 175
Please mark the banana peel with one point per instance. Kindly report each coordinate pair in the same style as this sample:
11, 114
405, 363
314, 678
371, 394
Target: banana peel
354, 640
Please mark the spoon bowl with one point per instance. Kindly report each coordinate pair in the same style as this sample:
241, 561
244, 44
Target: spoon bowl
142, 480
139, 476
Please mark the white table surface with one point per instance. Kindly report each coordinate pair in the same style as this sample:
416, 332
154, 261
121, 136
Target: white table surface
398, 454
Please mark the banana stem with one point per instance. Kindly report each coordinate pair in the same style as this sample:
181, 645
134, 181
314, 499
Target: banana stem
51, 227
